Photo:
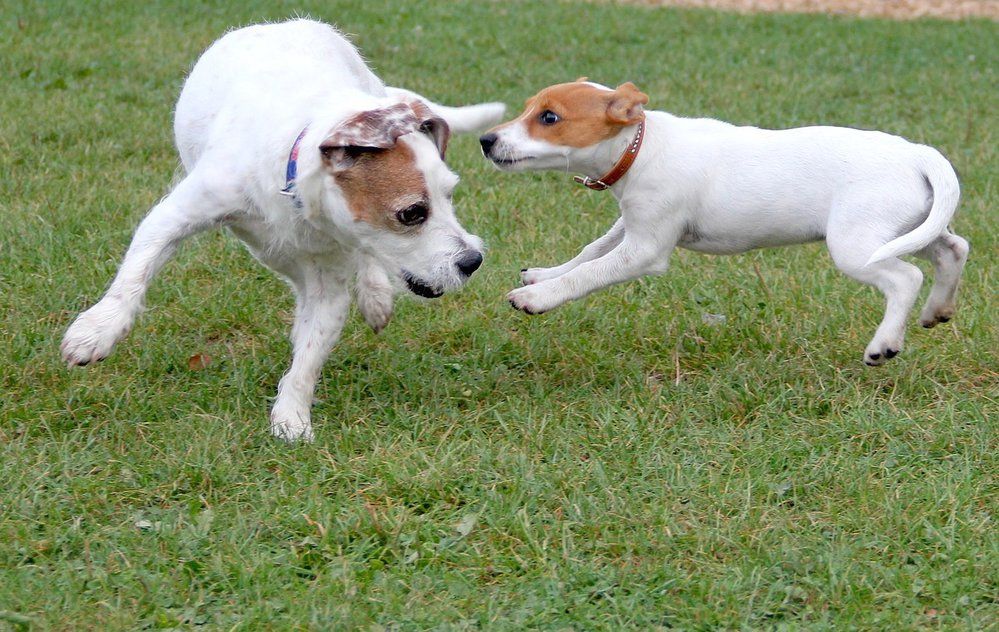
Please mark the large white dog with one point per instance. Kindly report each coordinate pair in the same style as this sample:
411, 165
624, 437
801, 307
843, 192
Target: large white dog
331, 178
713, 187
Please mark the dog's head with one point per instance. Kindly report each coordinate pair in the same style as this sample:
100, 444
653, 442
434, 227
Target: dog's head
385, 185
561, 120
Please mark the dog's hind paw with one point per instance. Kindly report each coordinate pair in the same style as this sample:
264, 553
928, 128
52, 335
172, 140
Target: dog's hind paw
880, 355
291, 425
933, 316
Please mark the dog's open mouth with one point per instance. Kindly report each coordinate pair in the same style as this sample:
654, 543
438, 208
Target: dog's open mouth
418, 287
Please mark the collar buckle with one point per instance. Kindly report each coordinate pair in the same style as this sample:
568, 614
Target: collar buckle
623, 164
590, 183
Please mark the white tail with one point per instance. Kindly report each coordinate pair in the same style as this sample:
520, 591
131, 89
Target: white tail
946, 192
462, 119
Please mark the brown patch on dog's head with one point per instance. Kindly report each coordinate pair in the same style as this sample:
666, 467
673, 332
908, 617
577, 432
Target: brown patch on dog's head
584, 114
377, 174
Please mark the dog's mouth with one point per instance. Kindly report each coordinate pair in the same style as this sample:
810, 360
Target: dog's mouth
420, 287
509, 162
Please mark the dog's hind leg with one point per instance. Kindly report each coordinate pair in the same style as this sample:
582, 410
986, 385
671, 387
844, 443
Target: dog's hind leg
190, 208
322, 303
898, 281
948, 253
595, 250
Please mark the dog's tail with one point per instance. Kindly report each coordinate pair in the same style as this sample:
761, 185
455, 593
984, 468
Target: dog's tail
942, 181
469, 118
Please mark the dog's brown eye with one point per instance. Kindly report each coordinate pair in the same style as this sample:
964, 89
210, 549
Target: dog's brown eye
413, 215
548, 118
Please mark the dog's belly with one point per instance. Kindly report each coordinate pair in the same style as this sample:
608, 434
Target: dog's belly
726, 241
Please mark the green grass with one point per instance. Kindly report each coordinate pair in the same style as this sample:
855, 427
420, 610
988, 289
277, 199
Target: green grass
617, 463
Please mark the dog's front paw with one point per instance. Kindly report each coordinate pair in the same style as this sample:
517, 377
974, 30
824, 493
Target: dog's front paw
530, 276
374, 295
291, 424
375, 305
531, 299
93, 334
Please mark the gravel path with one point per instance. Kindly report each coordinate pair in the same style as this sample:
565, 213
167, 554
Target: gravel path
898, 9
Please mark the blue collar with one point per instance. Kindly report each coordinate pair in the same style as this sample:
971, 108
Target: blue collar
291, 171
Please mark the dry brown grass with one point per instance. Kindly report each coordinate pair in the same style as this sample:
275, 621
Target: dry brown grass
896, 9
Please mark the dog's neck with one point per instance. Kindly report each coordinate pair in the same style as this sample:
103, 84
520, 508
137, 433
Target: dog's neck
597, 160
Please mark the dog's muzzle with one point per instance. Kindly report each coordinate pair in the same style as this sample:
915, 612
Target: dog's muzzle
467, 263
487, 141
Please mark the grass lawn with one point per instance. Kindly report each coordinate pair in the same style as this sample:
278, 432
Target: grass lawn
622, 462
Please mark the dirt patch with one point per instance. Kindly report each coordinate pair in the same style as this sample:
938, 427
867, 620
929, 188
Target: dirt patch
896, 9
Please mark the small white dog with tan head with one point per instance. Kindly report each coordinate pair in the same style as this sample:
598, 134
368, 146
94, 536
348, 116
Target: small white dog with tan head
714, 187
332, 179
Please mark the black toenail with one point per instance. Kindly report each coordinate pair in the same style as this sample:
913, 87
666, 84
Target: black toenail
523, 269
875, 356
943, 319
891, 353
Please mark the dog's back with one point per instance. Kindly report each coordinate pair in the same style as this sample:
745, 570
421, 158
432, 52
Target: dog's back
245, 75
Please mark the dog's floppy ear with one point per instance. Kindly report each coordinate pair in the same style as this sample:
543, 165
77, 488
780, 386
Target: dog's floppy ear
432, 125
625, 107
371, 130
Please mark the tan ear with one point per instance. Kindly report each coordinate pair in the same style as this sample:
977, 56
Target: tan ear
371, 130
625, 106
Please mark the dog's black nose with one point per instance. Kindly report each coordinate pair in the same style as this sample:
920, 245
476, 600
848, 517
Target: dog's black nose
487, 141
469, 262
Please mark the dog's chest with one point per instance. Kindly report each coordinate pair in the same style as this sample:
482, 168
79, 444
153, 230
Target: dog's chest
291, 238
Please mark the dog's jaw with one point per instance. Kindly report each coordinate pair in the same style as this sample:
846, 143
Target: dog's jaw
518, 163
420, 287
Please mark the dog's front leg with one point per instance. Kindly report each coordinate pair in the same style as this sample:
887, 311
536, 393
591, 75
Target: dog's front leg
374, 293
321, 309
635, 256
595, 250
190, 208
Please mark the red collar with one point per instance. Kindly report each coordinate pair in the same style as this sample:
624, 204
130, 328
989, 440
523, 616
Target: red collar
623, 164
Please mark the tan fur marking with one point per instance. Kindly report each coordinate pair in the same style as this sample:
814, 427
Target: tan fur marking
588, 114
380, 183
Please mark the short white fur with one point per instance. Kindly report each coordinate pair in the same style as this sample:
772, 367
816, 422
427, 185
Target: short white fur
713, 187
241, 109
